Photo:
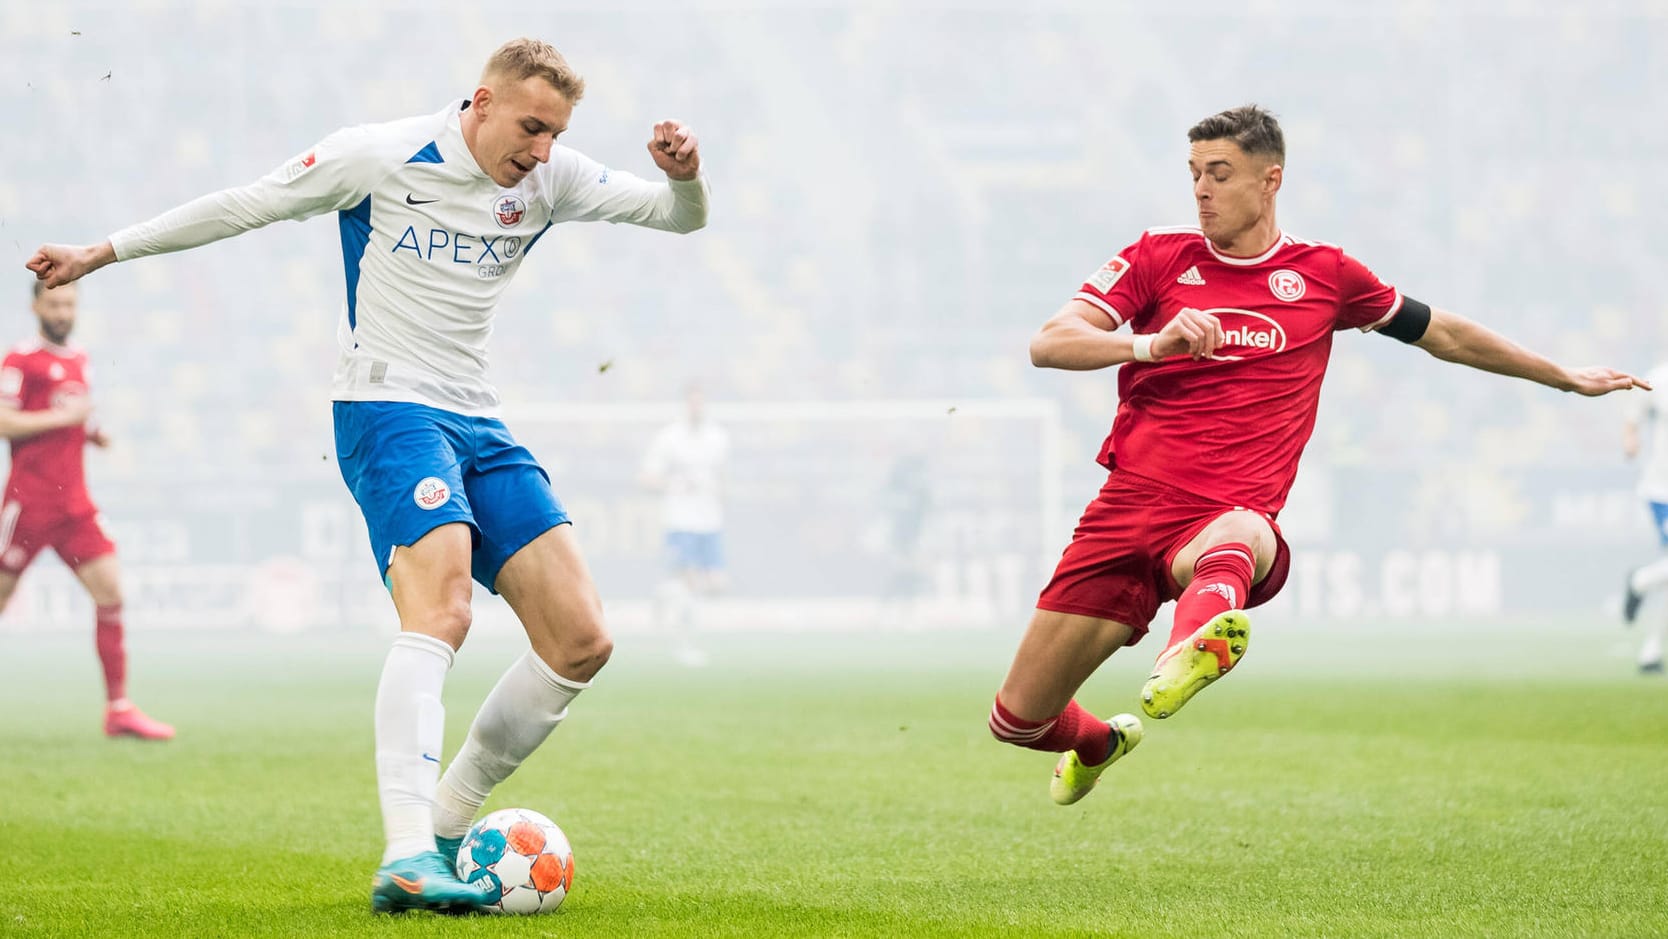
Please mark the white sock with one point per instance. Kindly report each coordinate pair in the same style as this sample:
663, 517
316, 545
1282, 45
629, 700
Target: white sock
1650, 577
671, 599
410, 725
522, 710
1650, 652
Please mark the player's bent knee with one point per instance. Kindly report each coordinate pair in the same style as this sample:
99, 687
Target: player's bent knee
448, 622
1243, 526
581, 658
599, 652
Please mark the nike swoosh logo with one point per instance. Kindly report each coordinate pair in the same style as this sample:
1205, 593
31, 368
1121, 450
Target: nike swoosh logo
432, 759
409, 886
410, 201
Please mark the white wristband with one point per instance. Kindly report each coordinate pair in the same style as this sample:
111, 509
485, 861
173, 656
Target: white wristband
1144, 348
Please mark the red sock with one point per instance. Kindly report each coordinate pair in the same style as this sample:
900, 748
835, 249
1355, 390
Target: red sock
111, 653
1073, 729
1221, 582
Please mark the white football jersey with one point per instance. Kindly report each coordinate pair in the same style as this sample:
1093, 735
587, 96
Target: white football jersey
429, 242
688, 460
1649, 410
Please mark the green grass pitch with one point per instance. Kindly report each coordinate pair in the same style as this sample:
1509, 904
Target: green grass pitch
1352, 783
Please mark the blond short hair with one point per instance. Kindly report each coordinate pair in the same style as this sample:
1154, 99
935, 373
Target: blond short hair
524, 58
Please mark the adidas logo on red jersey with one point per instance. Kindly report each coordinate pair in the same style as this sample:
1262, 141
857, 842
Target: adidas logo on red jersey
1191, 277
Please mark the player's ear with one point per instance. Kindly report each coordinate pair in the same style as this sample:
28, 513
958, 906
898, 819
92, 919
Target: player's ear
481, 101
1272, 177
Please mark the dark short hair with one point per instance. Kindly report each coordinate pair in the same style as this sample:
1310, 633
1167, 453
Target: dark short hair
1253, 128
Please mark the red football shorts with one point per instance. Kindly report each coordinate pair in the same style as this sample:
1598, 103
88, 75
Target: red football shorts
25, 531
1117, 566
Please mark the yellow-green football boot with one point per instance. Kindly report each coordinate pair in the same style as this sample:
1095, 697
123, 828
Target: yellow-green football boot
1195, 662
1073, 778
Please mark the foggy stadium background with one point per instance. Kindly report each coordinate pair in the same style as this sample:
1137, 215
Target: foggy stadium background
902, 193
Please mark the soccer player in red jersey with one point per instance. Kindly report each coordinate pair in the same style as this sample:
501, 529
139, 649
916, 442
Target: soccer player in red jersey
1231, 325
44, 412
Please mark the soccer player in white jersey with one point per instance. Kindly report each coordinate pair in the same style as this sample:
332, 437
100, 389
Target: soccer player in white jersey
685, 462
1646, 412
436, 214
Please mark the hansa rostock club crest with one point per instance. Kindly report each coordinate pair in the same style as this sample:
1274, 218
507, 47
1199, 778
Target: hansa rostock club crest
509, 210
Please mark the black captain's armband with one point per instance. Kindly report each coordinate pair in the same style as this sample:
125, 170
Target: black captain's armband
1410, 322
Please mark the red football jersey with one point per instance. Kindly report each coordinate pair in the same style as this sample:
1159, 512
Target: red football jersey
1231, 427
47, 469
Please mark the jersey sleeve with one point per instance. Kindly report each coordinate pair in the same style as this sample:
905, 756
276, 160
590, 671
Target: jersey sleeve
1122, 288
1364, 302
334, 175
12, 377
583, 190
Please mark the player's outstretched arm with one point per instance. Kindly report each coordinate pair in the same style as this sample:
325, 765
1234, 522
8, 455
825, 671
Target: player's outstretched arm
17, 424
1081, 337
326, 178
1453, 338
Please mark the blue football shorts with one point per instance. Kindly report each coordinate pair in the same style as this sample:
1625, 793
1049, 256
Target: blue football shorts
1659, 511
694, 551
413, 468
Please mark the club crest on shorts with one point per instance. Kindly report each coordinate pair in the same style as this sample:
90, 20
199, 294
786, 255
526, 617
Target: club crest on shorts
508, 210
431, 493
1287, 285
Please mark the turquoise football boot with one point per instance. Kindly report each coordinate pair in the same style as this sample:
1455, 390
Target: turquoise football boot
448, 848
424, 882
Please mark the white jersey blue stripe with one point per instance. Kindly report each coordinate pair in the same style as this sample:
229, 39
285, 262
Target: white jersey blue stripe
429, 243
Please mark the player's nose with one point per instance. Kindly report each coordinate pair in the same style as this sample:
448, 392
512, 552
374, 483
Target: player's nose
541, 149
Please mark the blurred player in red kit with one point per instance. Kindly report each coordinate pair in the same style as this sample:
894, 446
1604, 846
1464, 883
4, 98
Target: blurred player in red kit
44, 412
1231, 327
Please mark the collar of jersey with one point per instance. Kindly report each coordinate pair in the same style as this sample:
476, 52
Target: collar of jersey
39, 343
454, 148
1280, 241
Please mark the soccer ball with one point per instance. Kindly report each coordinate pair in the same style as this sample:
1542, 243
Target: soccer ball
523, 856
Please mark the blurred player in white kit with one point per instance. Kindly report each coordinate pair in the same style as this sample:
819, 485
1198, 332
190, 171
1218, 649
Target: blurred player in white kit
1645, 416
685, 463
